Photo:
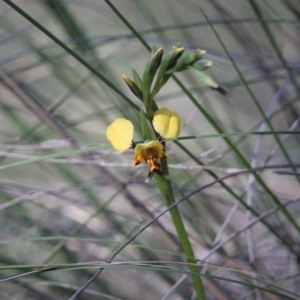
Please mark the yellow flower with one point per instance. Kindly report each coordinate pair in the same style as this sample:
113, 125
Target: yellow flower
166, 123
149, 152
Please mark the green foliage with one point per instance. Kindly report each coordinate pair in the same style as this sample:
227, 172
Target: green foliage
225, 207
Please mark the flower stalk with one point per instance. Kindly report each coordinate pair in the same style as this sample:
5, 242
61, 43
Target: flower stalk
170, 127
165, 187
166, 191
165, 124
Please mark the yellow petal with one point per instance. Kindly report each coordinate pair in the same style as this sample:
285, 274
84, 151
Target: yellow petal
166, 122
120, 134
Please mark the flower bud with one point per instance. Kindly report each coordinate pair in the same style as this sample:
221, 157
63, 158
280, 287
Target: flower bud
168, 62
134, 87
186, 60
149, 73
202, 65
208, 81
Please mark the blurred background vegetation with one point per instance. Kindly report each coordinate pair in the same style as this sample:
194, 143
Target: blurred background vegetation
62, 214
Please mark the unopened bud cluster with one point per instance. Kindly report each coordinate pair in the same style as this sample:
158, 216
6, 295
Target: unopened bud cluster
160, 68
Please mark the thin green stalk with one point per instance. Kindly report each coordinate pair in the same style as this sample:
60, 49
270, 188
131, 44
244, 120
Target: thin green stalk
284, 241
49, 156
275, 199
70, 51
274, 44
166, 191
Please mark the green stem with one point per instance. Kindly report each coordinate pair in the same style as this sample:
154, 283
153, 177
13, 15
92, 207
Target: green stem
166, 190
